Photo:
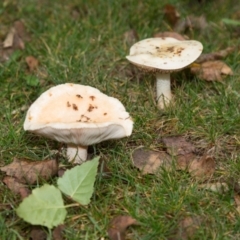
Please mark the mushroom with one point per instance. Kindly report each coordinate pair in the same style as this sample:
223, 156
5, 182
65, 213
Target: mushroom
163, 56
79, 116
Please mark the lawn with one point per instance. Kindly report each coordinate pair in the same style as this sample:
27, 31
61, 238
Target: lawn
84, 42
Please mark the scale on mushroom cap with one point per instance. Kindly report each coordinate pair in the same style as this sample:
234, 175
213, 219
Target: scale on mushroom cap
163, 56
79, 116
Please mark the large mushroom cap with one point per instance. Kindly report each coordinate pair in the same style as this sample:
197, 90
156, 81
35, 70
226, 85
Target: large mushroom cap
77, 114
166, 54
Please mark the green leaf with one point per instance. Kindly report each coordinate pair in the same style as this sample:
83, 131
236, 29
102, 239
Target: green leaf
32, 80
43, 207
78, 183
231, 22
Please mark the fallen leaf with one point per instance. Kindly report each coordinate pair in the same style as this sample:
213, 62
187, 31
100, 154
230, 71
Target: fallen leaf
191, 22
16, 187
202, 168
8, 42
32, 63
21, 109
58, 232
177, 145
29, 171
215, 55
171, 14
130, 37
14, 40
188, 226
38, 233
170, 34
215, 187
61, 171
150, 161
118, 226
21, 30
183, 161
211, 70
5, 53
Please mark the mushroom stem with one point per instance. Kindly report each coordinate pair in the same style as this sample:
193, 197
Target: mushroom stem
76, 154
163, 85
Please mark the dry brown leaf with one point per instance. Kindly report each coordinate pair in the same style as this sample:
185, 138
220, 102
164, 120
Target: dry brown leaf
150, 161
61, 171
5, 53
187, 227
16, 187
32, 63
8, 42
202, 168
183, 161
118, 226
211, 70
29, 172
215, 187
38, 233
58, 232
21, 30
177, 145
14, 40
191, 22
170, 34
171, 14
130, 37
205, 57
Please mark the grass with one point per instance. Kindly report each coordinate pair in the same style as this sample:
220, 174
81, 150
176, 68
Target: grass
89, 49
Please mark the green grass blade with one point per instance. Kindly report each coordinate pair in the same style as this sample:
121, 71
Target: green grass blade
231, 22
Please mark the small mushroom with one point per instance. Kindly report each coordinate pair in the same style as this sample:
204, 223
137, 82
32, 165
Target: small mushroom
51, 116
163, 56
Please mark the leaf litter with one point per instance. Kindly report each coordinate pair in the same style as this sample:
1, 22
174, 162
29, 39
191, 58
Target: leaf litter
205, 57
16, 187
149, 161
171, 14
191, 22
26, 171
15, 40
171, 35
118, 226
178, 149
211, 70
45, 205
32, 63
188, 227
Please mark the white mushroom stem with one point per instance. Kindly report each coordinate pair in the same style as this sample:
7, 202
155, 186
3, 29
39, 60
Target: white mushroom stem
163, 85
77, 154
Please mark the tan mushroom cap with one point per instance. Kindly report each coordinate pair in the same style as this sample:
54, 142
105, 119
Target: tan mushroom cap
164, 54
78, 114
